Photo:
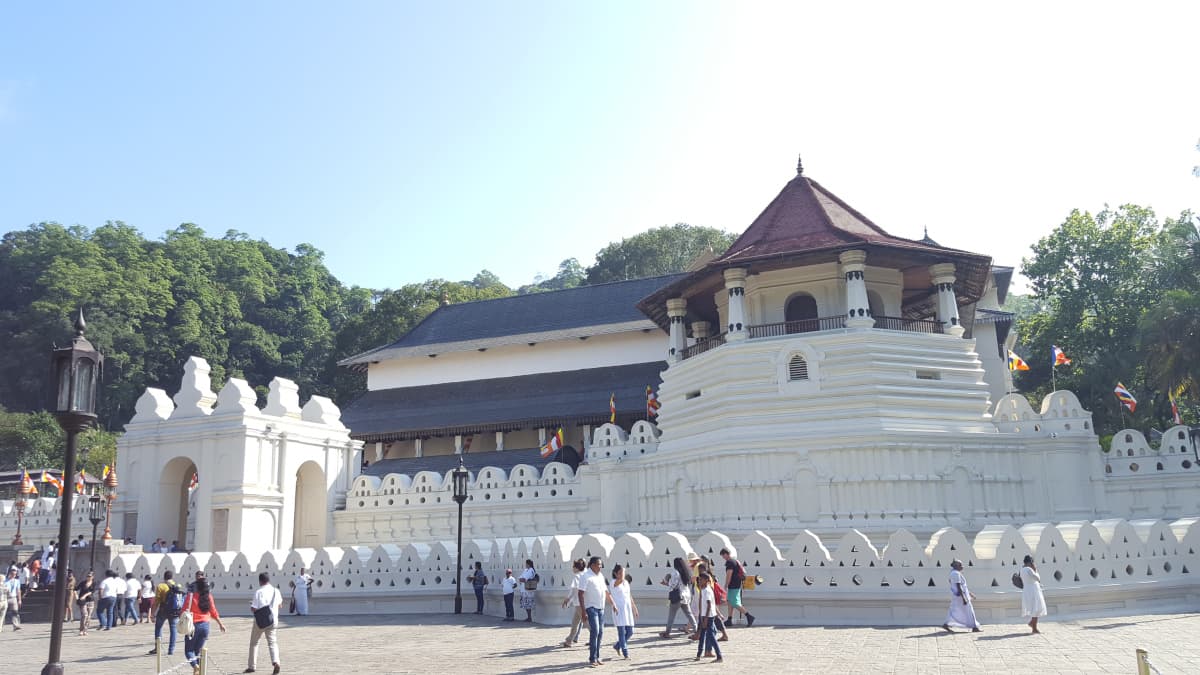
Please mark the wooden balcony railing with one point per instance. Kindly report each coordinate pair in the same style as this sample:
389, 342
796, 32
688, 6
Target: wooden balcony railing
910, 325
703, 346
799, 326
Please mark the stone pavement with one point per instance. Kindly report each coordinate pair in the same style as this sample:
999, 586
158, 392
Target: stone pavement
474, 644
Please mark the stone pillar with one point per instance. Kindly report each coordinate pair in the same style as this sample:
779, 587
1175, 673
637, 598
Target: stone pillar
947, 304
499, 441
541, 437
735, 285
458, 442
858, 308
700, 330
379, 452
676, 310
418, 449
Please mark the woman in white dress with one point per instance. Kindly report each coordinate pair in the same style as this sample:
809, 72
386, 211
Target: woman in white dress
962, 607
624, 610
529, 580
1033, 603
301, 587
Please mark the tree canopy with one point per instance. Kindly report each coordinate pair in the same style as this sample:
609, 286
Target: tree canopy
662, 250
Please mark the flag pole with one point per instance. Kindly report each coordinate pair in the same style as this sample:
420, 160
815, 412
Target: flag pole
1053, 380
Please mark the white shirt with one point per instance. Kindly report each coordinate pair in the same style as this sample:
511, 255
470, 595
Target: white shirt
131, 589
622, 596
573, 601
147, 589
594, 588
510, 585
111, 588
263, 597
708, 602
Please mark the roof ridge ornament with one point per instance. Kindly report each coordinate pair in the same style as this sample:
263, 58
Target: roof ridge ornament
799, 165
80, 324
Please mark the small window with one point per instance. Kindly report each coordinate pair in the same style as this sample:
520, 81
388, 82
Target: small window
797, 369
928, 375
691, 395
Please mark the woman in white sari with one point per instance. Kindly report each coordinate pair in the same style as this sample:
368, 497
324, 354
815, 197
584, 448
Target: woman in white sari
300, 590
1033, 603
962, 607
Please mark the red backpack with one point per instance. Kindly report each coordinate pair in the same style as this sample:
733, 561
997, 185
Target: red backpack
718, 593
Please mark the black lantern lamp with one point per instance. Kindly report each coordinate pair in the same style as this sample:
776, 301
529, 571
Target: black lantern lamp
459, 479
96, 515
76, 372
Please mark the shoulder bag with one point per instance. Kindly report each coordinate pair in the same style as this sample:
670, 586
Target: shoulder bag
263, 617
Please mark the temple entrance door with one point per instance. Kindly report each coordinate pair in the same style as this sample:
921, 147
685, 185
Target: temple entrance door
173, 484
308, 529
800, 313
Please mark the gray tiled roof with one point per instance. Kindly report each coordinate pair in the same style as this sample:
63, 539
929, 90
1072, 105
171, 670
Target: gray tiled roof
536, 317
441, 464
503, 404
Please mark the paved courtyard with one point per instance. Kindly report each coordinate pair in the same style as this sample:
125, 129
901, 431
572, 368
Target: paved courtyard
472, 644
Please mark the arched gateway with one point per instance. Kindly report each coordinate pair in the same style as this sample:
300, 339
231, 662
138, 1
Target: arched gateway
265, 479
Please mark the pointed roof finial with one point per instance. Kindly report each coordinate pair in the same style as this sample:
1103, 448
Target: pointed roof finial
926, 231
799, 166
80, 324
445, 299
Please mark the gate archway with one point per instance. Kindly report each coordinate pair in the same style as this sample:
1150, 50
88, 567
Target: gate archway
308, 527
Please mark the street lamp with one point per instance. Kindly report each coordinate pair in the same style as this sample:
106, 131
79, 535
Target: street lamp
23, 493
95, 514
110, 495
459, 478
76, 372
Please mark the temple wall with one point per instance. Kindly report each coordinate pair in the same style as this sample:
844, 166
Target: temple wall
597, 351
1087, 568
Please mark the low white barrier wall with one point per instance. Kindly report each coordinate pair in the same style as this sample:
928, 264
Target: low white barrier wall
1102, 567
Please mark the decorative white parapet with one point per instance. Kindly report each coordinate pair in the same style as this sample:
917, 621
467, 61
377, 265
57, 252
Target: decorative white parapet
1108, 566
1061, 415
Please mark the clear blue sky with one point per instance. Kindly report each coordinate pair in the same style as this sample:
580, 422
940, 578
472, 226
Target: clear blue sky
417, 140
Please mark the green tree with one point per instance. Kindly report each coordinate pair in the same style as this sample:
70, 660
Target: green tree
662, 250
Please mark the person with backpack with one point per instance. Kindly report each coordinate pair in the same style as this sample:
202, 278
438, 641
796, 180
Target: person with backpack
203, 608
168, 604
265, 606
679, 595
735, 575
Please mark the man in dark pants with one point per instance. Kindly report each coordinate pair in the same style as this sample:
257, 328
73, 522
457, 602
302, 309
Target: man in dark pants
509, 585
479, 581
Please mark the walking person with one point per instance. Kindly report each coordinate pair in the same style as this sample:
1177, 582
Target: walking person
69, 610
10, 600
578, 618
707, 644
302, 591
203, 609
130, 606
118, 605
962, 607
1033, 603
735, 575
479, 581
509, 585
267, 599
593, 593
705, 567
529, 583
625, 610
679, 594
168, 603
85, 598
108, 600
147, 600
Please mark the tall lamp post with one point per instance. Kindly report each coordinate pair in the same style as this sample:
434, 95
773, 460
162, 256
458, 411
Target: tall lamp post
110, 496
96, 515
23, 493
459, 477
76, 372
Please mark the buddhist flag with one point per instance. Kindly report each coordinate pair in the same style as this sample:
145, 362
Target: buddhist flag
467, 443
80, 486
32, 488
612, 408
195, 481
1060, 357
1175, 411
1015, 362
1125, 397
554, 444
652, 403
48, 477
105, 473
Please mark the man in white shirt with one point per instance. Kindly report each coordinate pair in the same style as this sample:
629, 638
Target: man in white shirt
10, 599
110, 589
266, 596
510, 589
572, 600
132, 591
593, 593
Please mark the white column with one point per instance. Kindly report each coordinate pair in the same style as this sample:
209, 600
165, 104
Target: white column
499, 441
418, 449
700, 330
587, 436
541, 437
458, 444
858, 308
735, 285
947, 304
379, 453
676, 310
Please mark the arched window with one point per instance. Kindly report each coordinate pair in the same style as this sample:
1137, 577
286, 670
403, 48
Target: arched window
874, 303
797, 369
801, 314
